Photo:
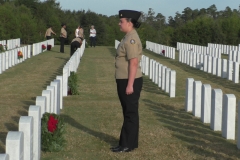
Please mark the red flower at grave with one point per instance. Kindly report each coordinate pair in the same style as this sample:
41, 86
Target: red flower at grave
20, 55
52, 124
163, 52
43, 47
49, 47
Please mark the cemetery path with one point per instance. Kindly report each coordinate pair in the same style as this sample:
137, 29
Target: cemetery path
94, 117
19, 86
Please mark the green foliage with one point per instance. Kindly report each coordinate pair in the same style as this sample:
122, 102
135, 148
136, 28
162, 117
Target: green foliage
73, 83
29, 19
52, 142
2, 48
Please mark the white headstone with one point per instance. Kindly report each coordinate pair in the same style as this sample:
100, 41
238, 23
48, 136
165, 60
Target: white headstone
172, 88
194, 60
235, 72
6, 62
151, 69
41, 101
197, 93
167, 79
147, 66
0, 64
26, 126
224, 68
4, 157
61, 90
9, 59
229, 116
65, 81
214, 66
35, 112
47, 95
159, 75
14, 145
219, 67
189, 95
206, 103
56, 95
238, 124
52, 100
3, 61
163, 77
205, 64
156, 73
209, 64
216, 110
230, 70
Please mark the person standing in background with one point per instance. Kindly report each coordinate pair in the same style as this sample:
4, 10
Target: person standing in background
49, 32
93, 34
63, 36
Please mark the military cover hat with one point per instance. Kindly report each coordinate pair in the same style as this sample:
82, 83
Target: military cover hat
129, 14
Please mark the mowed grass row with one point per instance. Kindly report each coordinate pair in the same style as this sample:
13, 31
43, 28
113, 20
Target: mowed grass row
94, 118
20, 85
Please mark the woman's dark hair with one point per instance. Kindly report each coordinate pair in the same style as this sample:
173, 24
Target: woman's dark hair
135, 23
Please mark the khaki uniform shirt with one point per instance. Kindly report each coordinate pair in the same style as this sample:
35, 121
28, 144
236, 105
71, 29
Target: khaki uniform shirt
77, 39
49, 32
63, 32
80, 33
130, 47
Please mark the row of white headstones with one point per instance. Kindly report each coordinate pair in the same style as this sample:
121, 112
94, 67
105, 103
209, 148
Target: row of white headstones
25, 144
211, 48
10, 58
158, 49
221, 67
161, 75
213, 107
11, 43
225, 48
214, 50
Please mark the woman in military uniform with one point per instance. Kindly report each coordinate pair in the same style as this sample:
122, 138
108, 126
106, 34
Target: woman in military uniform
129, 79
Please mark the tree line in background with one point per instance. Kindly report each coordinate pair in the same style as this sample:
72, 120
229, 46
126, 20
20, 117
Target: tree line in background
29, 19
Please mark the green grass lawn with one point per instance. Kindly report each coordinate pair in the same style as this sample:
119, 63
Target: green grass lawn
94, 118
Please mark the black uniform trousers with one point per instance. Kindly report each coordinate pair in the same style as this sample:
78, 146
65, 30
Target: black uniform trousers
93, 41
130, 127
74, 46
62, 40
48, 37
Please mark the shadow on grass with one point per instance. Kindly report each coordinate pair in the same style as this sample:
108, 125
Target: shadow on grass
3, 136
103, 136
200, 138
149, 86
58, 72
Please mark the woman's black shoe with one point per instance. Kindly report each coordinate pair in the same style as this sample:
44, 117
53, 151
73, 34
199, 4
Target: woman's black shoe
115, 148
122, 149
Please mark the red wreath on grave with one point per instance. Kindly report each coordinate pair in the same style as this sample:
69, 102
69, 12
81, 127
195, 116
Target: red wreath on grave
49, 47
43, 47
163, 52
52, 124
20, 54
